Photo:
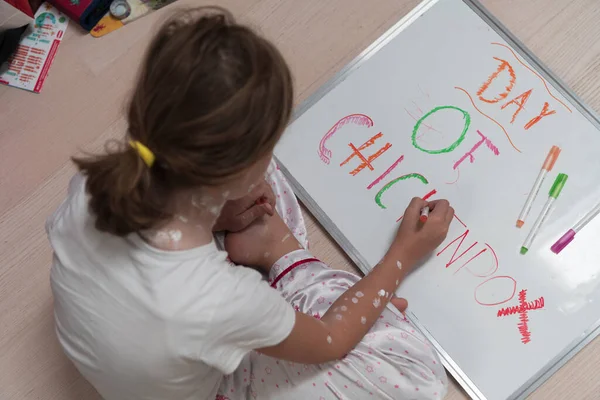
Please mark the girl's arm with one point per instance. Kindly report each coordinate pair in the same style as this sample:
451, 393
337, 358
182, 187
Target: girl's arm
349, 318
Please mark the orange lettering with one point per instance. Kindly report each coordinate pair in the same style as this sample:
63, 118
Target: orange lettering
366, 162
543, 114
513, 78
520, 101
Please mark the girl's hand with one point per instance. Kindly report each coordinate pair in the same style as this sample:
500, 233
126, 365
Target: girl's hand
415, 239
236, 215
261, 243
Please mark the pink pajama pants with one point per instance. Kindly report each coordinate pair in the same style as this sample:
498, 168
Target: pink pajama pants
393, 361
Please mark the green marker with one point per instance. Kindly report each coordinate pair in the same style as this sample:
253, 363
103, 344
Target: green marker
559, 183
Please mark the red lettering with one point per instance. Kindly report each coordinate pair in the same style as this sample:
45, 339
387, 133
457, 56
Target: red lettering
495, 303
453, 259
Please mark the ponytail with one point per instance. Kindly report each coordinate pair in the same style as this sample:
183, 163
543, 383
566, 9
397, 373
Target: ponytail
122, 195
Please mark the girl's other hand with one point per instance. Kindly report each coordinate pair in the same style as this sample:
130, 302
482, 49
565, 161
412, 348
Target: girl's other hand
415, 239
236, 215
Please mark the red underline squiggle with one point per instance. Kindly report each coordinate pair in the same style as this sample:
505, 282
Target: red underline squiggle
535, 73
490, 118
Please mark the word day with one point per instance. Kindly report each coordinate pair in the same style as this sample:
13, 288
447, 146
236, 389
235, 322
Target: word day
460, 251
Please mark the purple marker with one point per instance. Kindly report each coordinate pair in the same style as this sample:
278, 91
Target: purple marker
570, 235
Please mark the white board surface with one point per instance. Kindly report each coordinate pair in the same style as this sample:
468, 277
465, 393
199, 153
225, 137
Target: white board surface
432, 70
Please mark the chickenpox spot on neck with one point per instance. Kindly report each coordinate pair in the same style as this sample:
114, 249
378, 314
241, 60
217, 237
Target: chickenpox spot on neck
286, 237
251, 187
175, 235
183, 218
225, 194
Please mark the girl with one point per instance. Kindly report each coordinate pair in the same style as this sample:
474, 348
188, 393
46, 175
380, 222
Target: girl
146, 305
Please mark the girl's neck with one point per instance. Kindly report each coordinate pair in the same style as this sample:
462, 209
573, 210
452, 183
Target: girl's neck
191, 227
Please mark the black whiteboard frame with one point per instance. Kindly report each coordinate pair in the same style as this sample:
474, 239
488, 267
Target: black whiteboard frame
574, 347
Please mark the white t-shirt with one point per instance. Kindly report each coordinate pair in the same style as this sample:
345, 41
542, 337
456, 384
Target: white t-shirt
141, 323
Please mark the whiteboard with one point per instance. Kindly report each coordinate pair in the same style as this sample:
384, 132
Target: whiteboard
446, 103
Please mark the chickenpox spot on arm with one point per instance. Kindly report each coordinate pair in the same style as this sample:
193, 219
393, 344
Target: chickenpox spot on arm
381, 293
376, 302
399, 264
354, 300
363, 320
359, 294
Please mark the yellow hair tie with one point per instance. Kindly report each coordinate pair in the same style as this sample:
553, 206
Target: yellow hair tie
145, 153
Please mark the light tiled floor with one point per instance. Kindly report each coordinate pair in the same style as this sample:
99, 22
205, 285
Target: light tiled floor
81, 106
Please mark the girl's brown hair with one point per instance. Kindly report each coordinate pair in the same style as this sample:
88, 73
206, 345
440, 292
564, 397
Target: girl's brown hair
212, 99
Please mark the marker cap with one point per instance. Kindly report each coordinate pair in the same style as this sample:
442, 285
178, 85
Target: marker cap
551, 158
563, 241
558, 185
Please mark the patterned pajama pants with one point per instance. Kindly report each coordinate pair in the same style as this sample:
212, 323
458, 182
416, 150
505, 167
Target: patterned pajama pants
393, 361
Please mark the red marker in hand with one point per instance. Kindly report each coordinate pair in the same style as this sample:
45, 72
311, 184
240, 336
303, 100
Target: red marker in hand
424, 214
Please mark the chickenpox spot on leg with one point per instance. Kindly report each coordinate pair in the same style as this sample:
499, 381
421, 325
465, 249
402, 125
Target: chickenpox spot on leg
399, 264
376, 302
354, 300
381, 293
359, 294
175, 235
363, 320
344, 308
338, 317
329, 339
286, 237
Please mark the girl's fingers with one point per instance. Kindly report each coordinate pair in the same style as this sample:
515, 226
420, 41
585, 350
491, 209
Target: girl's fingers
241, 221
400, 303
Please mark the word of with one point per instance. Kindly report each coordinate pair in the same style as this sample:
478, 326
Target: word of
522, 309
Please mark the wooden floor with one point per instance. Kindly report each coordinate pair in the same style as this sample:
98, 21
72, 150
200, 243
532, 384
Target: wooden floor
81, 106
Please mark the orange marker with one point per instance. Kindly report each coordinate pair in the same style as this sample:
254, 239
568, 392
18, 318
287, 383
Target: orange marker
547, 167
